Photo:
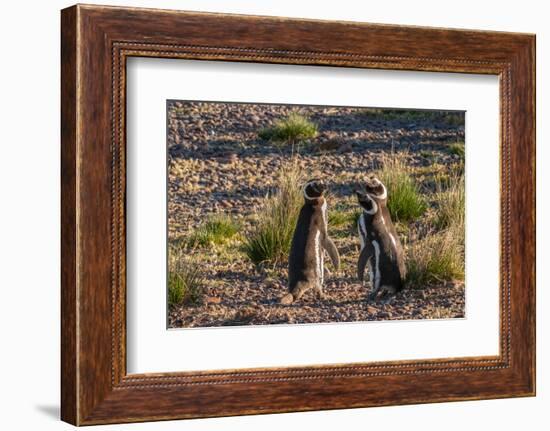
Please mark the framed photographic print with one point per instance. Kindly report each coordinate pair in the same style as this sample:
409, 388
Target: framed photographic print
265, 215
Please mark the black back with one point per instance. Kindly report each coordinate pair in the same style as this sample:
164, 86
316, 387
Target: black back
302, 258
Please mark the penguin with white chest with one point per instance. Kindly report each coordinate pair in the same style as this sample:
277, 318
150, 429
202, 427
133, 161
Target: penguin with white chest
310, 240
381, 249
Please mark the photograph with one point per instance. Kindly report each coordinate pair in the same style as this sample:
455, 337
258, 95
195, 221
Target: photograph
306, 214
301, 214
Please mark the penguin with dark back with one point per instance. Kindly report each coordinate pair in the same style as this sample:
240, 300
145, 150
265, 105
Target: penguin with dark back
310, 240
381, 249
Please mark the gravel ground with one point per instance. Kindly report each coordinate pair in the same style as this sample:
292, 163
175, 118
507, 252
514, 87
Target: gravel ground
217, 164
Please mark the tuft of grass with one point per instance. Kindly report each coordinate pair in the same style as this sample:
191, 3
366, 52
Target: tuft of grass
355, 219
451, 202
405, 202
340, 218
436, 258
271, 239
292, 130
216, 230
185, 281
458, 149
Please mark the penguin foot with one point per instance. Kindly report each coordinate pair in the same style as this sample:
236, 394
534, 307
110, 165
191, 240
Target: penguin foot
387, 300
387, 294
287, 299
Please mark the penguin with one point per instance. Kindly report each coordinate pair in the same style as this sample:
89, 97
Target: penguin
381, 248
309, 242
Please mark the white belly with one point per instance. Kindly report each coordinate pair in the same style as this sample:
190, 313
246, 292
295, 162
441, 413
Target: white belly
362, 229
371, 274
319, 257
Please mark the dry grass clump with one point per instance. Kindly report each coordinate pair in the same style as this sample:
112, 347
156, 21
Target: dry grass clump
405, 201
436, 258
458, 149
291, 130
185, 280
270, 241
451, 202
339, 217
216, 230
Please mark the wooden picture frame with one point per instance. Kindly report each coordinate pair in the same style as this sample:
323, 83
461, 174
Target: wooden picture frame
95, 43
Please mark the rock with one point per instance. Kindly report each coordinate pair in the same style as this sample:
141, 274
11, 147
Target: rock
371, 310
345, 148
213, 300
329, 144
230, 158
287, 299
271, 283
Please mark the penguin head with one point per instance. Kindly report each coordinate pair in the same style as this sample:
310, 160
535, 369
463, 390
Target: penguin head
375, 188
314, 189
366, 202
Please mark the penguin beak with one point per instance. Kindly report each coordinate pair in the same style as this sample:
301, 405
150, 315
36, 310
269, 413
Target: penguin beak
321, 187
373, 185
318, 186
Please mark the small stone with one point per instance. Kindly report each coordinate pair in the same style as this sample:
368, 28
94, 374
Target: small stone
329, 144
345, 148
213, 300
270, 283
230, 158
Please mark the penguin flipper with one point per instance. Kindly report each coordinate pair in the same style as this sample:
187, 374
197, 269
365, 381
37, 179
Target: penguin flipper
364, 257
332, 251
